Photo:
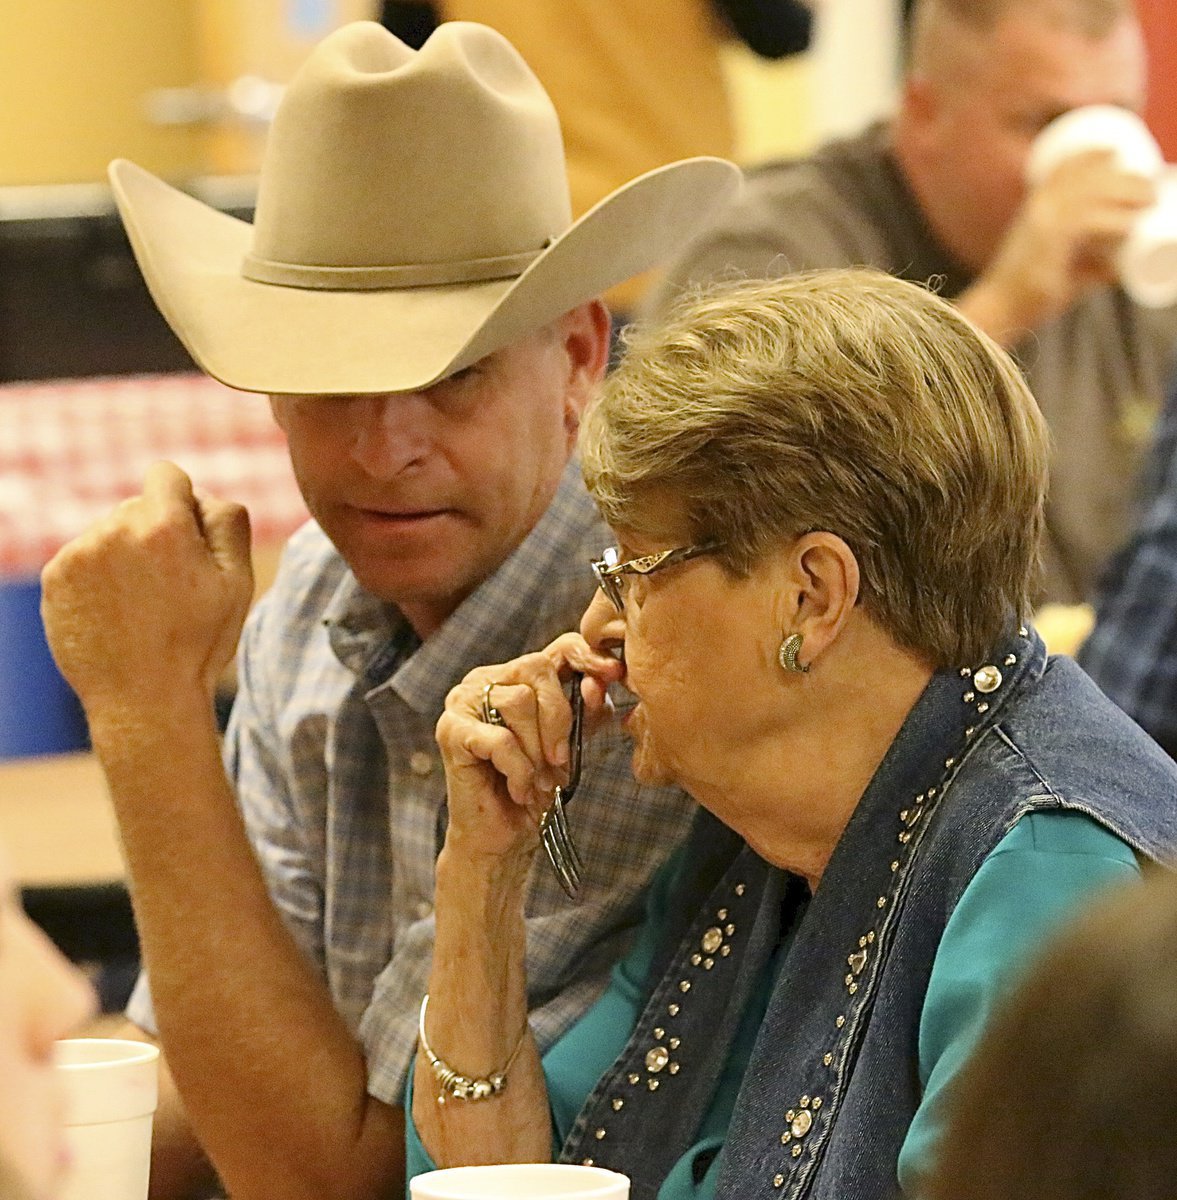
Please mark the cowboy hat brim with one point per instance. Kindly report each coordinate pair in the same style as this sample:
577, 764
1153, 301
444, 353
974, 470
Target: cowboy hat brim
282, 340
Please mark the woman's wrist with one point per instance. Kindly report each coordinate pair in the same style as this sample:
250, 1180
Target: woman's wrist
452, 1083
478, 998
479, 901
465, 861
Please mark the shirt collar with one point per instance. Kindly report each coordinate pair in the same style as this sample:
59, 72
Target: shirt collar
494, 623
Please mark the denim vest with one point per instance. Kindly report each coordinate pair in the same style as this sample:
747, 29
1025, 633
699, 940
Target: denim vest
833, 1084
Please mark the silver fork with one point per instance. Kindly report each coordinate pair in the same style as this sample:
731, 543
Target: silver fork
553, 825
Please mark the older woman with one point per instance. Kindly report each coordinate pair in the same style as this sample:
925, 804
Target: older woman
42, 998
827, 494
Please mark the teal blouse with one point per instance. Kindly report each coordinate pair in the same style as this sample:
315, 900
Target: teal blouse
1049, 863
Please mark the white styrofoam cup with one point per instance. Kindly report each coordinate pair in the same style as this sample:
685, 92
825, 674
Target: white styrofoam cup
521, 1181
111, 1090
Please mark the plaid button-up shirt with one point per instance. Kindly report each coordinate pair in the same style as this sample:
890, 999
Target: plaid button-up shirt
331, 746
1132, 651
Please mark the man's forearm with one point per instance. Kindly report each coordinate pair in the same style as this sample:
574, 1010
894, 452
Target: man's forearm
273, 1082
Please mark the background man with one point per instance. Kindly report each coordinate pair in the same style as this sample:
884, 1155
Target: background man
939, 193
415, 301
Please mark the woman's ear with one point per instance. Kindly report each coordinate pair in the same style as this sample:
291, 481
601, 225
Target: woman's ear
822, 591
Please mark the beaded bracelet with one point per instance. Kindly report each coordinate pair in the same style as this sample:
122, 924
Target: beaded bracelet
462, 1087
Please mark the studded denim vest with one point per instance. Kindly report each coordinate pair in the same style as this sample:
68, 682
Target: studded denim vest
832, 1083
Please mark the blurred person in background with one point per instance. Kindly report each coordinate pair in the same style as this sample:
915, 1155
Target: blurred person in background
938, 194
1072, 1091
421, 309
636, 85
827, 497
42, 998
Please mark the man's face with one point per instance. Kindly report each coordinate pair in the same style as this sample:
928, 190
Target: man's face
978, 122
426, 493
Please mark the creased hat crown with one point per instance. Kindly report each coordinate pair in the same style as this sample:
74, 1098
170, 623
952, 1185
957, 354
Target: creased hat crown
394, 162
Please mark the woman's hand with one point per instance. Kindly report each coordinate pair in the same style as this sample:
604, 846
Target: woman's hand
500, 778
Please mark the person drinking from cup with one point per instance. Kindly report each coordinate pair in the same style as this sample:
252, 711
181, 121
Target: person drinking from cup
421, 308
42, 999
940, 193
827, 494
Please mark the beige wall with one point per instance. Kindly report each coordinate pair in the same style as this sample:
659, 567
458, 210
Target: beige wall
856, 62
772, 104
72, 77
259, 37
848, 79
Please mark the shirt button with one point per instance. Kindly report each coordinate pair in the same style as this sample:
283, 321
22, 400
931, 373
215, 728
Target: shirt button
420, 762
424, 909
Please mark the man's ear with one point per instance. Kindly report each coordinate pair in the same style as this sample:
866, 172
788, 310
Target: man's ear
822, 584
585, 333
918, 118
278, 411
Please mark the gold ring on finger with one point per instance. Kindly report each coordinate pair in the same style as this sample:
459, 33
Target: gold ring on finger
490, 714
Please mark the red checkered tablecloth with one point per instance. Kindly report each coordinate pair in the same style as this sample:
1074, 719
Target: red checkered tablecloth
69, 451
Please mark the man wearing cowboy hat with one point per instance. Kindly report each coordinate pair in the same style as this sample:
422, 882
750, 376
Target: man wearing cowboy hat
417, 304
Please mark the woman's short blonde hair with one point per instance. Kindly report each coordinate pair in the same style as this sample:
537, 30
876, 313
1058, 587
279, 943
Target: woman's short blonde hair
845, 401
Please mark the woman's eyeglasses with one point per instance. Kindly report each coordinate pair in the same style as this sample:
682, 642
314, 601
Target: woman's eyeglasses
610, 573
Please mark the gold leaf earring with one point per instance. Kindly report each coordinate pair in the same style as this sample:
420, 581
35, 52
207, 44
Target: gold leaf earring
787, 655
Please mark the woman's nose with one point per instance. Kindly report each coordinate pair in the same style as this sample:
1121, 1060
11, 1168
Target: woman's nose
602, 626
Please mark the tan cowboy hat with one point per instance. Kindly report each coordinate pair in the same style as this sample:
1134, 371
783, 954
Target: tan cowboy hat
412, 217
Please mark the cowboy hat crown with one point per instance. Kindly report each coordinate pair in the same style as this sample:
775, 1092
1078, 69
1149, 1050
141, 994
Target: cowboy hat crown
412, 216
389, 168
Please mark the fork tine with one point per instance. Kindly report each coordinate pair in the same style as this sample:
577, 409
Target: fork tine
568, 879
555, 834
563, 844
572, 858
569, 869
565, 833
559, 822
